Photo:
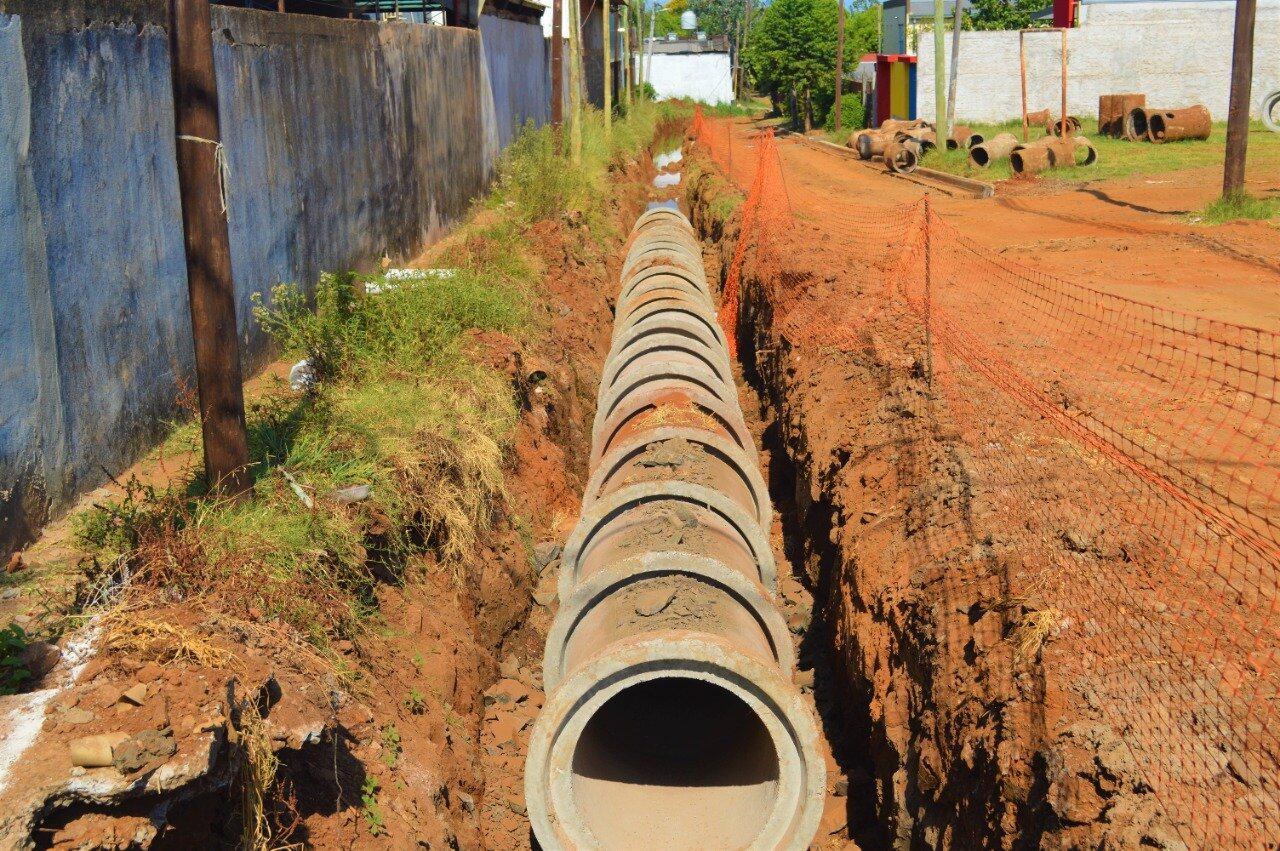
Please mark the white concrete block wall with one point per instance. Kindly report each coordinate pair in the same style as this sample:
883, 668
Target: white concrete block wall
705, 77
1177, 53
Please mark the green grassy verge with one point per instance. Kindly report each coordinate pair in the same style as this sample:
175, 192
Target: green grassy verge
402, 405
1236, 207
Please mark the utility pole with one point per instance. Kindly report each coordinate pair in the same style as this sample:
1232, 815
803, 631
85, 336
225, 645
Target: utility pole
575, 82
627, 80
606, 65
957, 20
201, 176
557, 63
1241, 90
939, 79
742, 45
839, 62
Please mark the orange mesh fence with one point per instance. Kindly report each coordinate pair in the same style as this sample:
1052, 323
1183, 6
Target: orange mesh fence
1133, 448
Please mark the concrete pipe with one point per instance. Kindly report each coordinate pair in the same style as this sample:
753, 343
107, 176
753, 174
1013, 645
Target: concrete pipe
902, 157
870, 143
1030, 159
671, 719
688, 453
1071, 152
651, 314
1137, 125
896, 124
1039, 118
991, 150
1176, 125
669, 404
644, 346
633, 282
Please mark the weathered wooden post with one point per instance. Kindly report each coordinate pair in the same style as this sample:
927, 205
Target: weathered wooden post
202, 183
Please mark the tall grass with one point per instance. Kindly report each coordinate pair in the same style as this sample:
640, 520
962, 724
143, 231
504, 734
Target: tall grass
1238, 206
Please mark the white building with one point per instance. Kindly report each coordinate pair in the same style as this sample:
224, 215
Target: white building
698, 69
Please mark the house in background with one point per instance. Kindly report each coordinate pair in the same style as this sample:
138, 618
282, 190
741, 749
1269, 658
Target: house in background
899, 30
695, 68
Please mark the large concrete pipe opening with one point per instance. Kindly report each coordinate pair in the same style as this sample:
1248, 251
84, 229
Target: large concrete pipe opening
675, 763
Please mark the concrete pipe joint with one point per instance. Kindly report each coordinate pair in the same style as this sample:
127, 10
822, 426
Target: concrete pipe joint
671, 718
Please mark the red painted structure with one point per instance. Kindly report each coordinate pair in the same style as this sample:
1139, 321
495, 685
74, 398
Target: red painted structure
895, 86
1065, 12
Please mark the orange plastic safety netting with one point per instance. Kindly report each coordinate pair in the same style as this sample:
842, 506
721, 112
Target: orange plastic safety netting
1137, 445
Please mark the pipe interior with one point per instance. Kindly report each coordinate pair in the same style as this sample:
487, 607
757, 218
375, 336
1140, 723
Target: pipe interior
675, 763
980, 156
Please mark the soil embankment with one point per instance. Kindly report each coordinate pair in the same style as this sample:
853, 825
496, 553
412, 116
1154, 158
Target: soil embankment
939, 715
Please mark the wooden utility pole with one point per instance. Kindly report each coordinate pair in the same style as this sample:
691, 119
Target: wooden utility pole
939, 79
1241, 91
839, 62
557, 63
606, 65
201, 180
575, 82
957, 21
626, 58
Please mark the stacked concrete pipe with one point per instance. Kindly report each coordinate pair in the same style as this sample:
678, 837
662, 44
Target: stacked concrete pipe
671, 718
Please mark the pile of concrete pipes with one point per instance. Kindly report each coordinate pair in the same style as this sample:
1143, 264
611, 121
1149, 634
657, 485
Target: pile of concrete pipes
901, 143
1033, 157
672, 720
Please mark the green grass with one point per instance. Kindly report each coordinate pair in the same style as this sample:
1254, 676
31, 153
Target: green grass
1239, 206
1118, 158
403, 404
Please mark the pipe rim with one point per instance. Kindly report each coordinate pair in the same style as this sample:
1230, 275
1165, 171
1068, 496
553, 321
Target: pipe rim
683, 327
669, 373
727, 416
653, 352
692, 315
802, 787
594, 520
697, 280
611, 461
757, 599
671, 284
672, 300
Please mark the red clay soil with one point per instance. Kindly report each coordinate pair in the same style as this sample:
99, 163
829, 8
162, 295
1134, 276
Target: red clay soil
1019, 634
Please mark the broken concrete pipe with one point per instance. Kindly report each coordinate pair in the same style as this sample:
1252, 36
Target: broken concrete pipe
671, 718
902, 156
1176, 125
1071, 151
991, 150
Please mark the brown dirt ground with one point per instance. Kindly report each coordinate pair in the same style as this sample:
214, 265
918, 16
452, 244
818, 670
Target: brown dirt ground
934, 527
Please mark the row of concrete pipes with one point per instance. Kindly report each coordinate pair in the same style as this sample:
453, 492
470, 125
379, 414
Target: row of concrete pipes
901, 143
671, 720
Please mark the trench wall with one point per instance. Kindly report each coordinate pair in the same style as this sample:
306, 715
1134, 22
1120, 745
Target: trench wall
345, 140
1177, 53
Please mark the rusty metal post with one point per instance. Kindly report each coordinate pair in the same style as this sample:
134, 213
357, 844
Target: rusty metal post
1241, 88
839, 62
1062, 129
1022, 70
557, 63
201, 177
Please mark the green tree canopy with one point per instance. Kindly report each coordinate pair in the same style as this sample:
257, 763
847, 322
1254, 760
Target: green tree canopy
1003, 14
792, 48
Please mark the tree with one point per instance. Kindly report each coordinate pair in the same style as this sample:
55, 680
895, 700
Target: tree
1003, 14
791, 52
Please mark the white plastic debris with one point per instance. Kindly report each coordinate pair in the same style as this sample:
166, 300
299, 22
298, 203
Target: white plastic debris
302, 377
393, 278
